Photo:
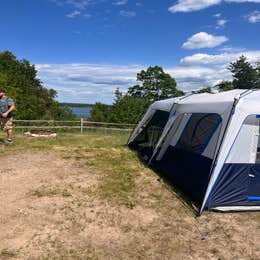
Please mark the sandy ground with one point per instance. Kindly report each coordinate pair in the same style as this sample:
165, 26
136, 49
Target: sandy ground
47, 212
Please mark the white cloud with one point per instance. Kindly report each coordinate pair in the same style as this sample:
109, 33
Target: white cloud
243, 1
197, 77
120, 2
218, 59
231, 49
89, 83
127, 13
203, 40
78, 4
221, 23
254, 17
81, 6
192, 5
204, 70
217, 15
196, 5
73, 14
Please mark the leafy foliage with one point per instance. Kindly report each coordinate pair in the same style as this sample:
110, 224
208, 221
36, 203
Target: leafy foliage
225, 85
156, 85
203, 90
129, 108
101, 113
244, 74
125, 109
258, 75
32, 100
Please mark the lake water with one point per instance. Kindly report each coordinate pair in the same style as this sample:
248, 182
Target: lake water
81, 111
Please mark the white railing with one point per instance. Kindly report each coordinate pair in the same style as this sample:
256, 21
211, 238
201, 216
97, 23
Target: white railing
75, 124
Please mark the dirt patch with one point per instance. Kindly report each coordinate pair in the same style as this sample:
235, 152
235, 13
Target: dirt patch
35, 190
47, 211
40, 133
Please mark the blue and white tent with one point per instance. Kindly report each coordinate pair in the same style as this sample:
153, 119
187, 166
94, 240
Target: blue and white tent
208, 145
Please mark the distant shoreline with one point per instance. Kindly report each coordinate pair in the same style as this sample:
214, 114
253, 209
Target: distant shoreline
76, 104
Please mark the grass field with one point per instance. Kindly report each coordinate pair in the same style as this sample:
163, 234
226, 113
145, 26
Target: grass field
89, 197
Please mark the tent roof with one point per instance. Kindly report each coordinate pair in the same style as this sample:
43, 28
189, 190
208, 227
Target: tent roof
254, 100
209, 103
165, 104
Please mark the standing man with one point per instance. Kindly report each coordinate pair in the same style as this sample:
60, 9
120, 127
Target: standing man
6, 108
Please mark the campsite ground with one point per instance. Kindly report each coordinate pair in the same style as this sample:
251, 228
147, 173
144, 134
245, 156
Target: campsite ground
89, 197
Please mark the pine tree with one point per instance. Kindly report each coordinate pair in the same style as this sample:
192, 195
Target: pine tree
244, 74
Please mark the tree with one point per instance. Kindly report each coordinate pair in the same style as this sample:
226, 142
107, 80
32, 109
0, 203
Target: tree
258, 75
203, 90
244, 74
32, 100
118, 95
125, 109
101, 113
129, 109
225, 85
155, 85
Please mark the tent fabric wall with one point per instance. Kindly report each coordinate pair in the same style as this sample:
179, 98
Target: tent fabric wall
237, 185
239, 178
246, 104
188, 171
183, 161
215, 172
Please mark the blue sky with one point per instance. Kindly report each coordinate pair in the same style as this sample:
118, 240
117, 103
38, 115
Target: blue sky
85, 49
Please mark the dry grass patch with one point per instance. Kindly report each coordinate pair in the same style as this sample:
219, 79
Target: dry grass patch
44, 191
89, 197
5, 254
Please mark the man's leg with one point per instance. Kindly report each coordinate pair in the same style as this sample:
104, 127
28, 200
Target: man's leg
8, 126
9, 134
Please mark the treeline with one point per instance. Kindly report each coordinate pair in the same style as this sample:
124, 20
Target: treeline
155, 85
32, 99
75, 104
245, 76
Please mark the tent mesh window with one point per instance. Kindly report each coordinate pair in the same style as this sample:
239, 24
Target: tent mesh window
198, 132
150, 133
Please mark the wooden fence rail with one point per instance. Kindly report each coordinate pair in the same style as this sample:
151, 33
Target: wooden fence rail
74, 121
76, 124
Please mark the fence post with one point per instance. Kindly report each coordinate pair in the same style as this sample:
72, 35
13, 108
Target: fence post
81, 125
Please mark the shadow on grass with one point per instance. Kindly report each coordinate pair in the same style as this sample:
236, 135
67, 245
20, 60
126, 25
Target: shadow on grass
184, 199
4, 141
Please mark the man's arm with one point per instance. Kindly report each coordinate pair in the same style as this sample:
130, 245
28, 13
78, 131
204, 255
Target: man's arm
11, 108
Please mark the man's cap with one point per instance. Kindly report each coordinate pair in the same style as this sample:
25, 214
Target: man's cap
2, 91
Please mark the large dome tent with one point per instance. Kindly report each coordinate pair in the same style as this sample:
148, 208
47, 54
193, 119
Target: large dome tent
208, 145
